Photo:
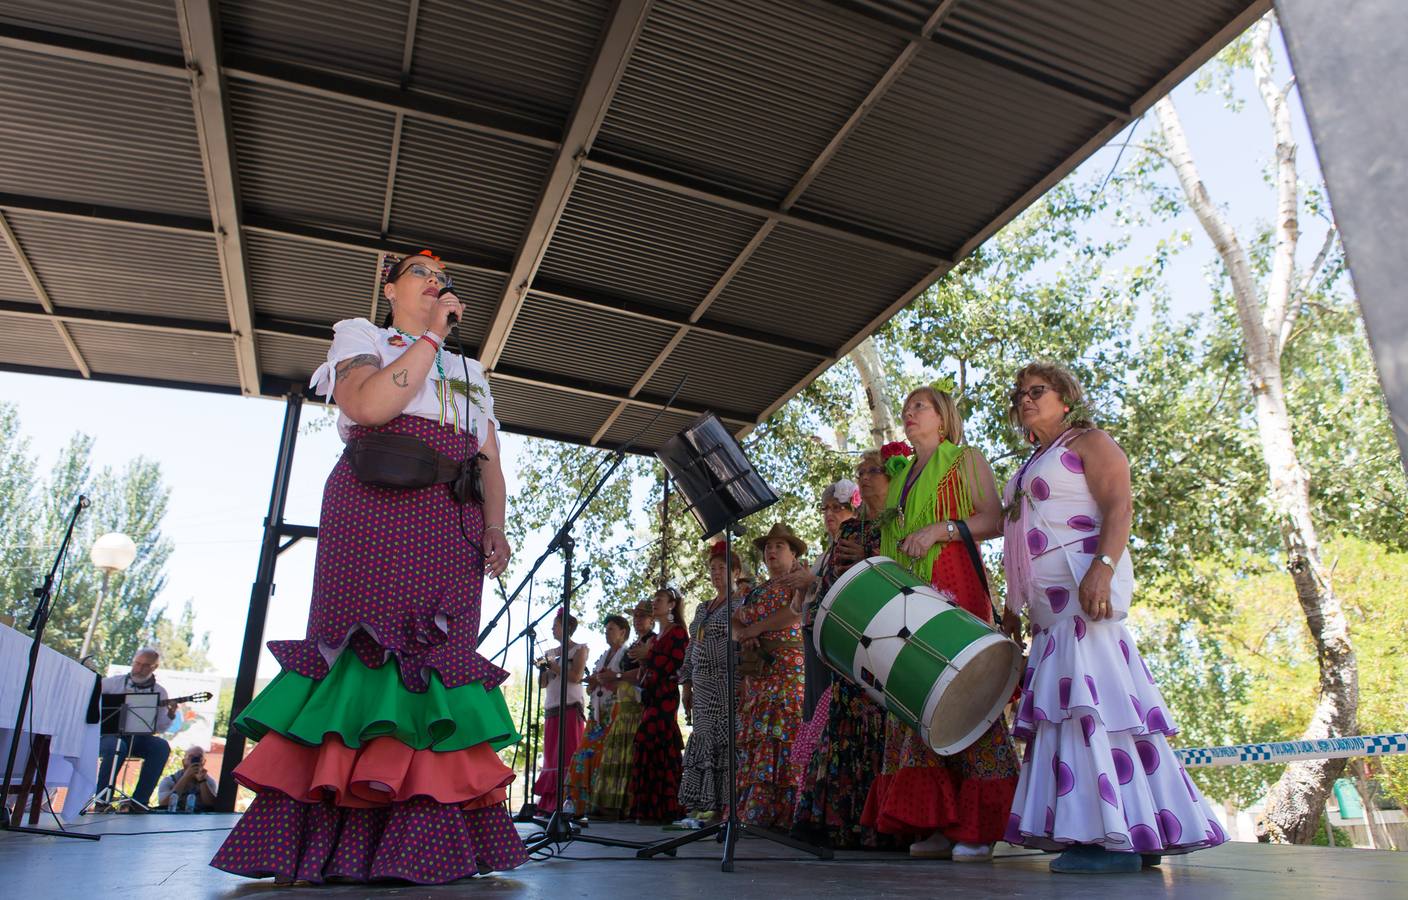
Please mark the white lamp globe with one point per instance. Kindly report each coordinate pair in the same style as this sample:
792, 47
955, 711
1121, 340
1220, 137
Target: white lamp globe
113, 552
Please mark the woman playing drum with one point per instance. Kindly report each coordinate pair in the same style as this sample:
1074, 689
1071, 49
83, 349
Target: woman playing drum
957, 804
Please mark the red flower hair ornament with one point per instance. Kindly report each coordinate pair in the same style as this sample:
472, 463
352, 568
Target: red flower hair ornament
893, 456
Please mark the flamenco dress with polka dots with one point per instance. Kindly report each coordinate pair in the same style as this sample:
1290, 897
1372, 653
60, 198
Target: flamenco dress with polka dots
1098, 768
377, 742
659, 747
966, 795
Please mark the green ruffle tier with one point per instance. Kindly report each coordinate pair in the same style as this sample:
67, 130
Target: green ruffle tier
358, 703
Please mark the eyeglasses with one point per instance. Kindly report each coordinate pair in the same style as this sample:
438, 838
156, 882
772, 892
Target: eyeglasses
421, 271
1036, 392
869, 470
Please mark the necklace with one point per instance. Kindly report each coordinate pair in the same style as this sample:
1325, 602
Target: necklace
442, 391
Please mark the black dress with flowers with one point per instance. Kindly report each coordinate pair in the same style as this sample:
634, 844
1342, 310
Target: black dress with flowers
659, 749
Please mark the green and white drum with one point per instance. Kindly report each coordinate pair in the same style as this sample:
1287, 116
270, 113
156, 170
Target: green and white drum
935, 665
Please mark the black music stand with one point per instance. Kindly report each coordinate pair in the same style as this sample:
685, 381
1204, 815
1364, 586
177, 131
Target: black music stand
110, 723
720, 488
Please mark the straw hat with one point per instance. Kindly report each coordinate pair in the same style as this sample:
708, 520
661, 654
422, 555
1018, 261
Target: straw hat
783, 533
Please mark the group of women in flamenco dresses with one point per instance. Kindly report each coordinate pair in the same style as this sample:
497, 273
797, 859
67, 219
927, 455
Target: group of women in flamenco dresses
377, 754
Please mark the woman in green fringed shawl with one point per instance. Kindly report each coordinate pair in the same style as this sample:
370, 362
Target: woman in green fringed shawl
952, 807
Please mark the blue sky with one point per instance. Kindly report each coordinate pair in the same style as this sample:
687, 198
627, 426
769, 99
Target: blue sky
217, 452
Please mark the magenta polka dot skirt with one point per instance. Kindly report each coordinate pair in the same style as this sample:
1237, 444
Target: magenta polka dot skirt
395, 579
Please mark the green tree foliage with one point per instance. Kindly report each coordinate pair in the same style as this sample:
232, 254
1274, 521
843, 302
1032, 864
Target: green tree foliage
132, 501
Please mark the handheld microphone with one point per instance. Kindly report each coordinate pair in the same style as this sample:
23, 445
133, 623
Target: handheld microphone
449, 288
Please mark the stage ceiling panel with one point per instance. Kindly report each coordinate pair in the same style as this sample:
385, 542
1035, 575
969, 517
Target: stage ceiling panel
628, 194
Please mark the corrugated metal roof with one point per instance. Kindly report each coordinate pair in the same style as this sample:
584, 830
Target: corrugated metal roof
167, 357
743, 93
802, 285
644, 243
309, 159
84, 132
722, 110
360, 37
27, 343
462, 189
597, 342
102, 266
142, 23
525, 58
925, 161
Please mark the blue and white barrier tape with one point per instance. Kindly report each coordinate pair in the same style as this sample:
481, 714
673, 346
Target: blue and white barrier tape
1289, 751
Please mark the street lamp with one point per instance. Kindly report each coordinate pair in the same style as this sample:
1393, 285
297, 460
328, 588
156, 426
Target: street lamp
112, 552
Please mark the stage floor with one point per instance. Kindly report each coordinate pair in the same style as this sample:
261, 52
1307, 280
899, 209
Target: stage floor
164, 855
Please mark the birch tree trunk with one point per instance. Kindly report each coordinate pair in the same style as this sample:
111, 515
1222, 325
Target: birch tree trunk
1296, 802
877, 393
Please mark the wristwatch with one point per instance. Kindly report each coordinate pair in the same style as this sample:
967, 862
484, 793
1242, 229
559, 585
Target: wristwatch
952, 529
1105, 558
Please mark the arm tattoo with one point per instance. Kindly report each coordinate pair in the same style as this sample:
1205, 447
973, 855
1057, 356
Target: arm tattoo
399, 378
357, 362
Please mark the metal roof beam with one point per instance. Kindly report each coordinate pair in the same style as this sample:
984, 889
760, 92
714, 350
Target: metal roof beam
138, 322
408, 46
200, 38
598, 391
613, 53
22, 260
87, 50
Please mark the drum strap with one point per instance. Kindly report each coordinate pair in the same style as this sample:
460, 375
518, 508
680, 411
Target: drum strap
976, 558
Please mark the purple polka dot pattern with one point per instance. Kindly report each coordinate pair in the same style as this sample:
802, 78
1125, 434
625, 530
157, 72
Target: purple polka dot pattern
1072, 462
1090, 686
1050, 648
1138, 707
1124, 648
1059, 597
1157, 721
1081, 523
363, 578
1040, 489
1147, 674
1188, 783
1144, 838
1148, 756
1065, 780
1124, 766
1036, 541
1218, 835
1027, 679
1169, 827
1050, 820
1039, 715
279, 836
1087, 728
1090, 544
1013, 833
1107, 791
1064, 691
1080, 628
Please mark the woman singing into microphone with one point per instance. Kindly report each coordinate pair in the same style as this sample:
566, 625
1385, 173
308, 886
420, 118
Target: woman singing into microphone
377, 742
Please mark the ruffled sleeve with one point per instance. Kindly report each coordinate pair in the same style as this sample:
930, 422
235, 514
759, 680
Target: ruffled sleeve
350, 337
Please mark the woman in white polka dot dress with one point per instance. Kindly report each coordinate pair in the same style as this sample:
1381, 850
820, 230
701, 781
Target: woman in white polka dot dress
1099, 780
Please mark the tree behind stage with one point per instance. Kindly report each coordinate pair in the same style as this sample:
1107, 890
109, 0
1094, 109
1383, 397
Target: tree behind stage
133, 501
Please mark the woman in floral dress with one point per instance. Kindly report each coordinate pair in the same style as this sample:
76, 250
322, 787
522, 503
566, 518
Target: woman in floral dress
655, 770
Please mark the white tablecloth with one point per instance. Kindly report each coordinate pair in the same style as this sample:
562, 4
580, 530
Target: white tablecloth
59, 708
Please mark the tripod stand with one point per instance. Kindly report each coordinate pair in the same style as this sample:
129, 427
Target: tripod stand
110, 724
44, 596
729, 830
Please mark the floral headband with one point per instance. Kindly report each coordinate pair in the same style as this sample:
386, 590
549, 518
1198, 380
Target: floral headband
844, 492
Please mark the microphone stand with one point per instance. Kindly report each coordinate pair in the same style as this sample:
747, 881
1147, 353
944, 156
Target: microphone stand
559, 828
528, 812
44, 595
729, 830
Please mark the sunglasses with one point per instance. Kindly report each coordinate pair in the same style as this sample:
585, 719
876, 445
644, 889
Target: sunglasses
1036, 392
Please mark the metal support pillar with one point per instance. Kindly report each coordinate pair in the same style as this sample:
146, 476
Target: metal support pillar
274, 530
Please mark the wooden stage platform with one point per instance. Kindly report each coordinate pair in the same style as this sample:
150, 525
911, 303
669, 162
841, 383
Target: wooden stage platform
163, 855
